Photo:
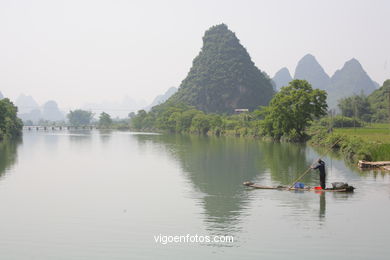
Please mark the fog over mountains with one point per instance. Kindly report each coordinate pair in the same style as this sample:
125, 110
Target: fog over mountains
282, 78
349, 80
29, 110
119, 109
309, 69
162, 98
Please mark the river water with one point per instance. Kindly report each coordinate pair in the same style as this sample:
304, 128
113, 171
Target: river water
110, 195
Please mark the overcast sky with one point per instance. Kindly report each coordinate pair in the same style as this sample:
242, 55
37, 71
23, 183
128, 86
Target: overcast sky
89, 50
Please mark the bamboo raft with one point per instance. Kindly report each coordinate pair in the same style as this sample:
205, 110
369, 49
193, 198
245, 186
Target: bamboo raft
380, 164
256, 186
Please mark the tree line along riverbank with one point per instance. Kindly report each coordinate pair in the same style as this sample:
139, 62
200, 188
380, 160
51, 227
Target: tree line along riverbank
297, 113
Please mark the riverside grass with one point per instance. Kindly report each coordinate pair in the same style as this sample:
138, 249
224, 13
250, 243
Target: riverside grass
371, 143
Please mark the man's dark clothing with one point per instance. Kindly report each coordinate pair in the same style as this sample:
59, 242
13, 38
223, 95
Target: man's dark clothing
321, 167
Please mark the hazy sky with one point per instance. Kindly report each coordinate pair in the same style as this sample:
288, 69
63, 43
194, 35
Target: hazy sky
88, 50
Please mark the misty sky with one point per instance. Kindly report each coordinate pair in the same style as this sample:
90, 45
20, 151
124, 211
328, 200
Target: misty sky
84, 51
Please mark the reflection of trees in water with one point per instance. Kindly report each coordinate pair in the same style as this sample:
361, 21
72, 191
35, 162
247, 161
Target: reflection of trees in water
105, 135
286, 161
78, 136
8, 154
217, 168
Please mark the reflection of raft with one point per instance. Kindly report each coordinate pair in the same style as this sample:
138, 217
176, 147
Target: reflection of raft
256, 186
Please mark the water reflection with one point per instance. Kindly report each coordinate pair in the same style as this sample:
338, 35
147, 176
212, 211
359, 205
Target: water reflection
105, 135
285, 161
8, 154
217, 170
341, 163
80, 136
217, 167
322, 205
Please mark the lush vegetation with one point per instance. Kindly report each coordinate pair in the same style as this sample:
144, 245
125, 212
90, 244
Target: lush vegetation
356, 106
293, 109
359, 137
290, 112
379, 103
105, 120
378, 133
372, 108
339, 122
223, 77
80, 117
355, 144
296, 113
186, 119
369, 142
10, 125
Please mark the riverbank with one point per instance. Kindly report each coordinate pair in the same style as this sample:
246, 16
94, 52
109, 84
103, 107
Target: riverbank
364, 143
371, 143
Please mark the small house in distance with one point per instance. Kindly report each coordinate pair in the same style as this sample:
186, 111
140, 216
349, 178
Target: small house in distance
241, 110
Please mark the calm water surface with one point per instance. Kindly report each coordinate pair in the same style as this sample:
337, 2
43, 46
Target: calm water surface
105, 195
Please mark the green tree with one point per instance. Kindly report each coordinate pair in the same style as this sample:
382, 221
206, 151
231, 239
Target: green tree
137, 121
200, 124
184, 121
105, 120
356, 106
131, 115
28, 123
167, 119
10, 124
292, 109
380, 104
80, 117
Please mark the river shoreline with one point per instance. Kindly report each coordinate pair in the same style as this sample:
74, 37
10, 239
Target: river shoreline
352, 148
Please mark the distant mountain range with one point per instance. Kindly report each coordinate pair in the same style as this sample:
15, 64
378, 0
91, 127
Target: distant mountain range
282, 78
28, 109
309, 69
1, 95
161, 98
119, 109
349, 80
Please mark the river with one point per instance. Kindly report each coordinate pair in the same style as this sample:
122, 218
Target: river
113, 195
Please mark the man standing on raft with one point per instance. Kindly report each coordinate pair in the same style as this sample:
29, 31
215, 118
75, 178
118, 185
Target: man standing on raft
321, 167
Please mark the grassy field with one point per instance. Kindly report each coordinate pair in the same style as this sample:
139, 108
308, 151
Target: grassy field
373, 133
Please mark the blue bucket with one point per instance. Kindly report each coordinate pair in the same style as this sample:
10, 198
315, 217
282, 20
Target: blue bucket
299, 185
